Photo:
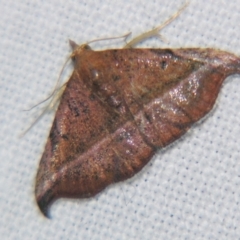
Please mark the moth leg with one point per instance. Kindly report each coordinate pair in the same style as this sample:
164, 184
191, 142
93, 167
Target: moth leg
155, 32
53, 103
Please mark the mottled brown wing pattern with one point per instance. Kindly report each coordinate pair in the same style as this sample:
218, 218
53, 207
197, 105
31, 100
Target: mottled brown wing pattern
118, 108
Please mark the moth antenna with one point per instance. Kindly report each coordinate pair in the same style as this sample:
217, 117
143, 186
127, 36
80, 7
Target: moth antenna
155, 32
125, 36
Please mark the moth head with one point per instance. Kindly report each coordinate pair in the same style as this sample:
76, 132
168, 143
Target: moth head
77, 48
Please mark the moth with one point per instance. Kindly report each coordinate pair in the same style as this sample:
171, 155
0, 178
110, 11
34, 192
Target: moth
119, 107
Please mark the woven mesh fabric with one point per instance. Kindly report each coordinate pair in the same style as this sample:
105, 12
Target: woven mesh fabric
190, 190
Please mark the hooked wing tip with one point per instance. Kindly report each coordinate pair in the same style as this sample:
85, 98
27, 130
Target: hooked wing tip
43, 206
44, 199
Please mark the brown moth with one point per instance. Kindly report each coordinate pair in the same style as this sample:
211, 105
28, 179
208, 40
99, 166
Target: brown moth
118, 108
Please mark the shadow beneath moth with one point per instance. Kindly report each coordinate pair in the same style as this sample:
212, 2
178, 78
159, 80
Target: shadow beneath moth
119, 107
